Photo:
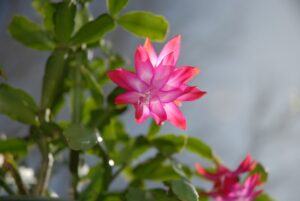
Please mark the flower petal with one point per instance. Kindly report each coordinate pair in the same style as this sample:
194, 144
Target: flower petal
167, 60
141, 113
172, 46
169, 96
246, 165
129, 97
143, 65
151, 52
161, 76
182, 75
127, 80
216, 176
190, 94
175, 116
157, 110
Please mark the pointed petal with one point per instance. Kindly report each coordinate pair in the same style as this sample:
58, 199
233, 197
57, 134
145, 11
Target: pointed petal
217, 176
151, 52
191, 94
169, 96
182, 75
129, 97
161, 76
157, 110
175, 116
246, 165
143, 66
141, 113
168, 60
172, 46
127, 80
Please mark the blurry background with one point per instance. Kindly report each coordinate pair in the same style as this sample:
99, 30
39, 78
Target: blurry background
249, 55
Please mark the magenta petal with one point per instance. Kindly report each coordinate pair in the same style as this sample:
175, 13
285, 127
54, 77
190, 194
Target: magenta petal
151, 52
129, 97
161, 76
175, 116
168, 60
143, 65
141, 113
246, 165
157, 110
190, 94
127, 80
169, 96
172, 46
182, 75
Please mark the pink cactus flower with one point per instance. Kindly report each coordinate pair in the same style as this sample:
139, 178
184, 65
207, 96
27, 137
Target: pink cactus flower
158, 86
227, 185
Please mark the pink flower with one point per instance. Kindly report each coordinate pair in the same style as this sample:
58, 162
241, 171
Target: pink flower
227, 185
158, 86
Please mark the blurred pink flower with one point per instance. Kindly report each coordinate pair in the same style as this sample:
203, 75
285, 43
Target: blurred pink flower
158, 86
227, 185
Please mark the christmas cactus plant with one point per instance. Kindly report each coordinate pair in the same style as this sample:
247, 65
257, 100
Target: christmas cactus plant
81, 63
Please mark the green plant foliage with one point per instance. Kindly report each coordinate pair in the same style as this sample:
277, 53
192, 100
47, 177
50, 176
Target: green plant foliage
30, 34
169, 144
184, 190
263, 197
197, 146
45, 9
93, 85
145, 24
13, 145
259, 169
135, 194
53, 78
80, 137
115, 6
153, 129
27, 198
155, 169
93, 30
17, 104
64, 16
91, 192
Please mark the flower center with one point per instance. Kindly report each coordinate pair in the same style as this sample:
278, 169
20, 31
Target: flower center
144, 98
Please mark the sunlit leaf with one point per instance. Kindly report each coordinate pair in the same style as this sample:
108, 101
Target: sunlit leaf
30, 34
264, 197
80, 137
53, 78
145, 24
64, 17
115, 6
17, 104
197, 146
184, 190
93, 30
